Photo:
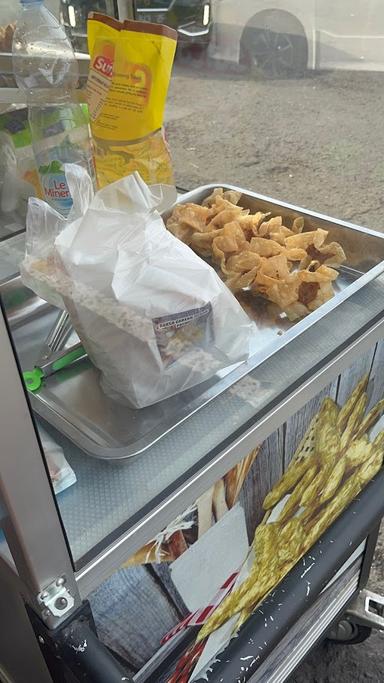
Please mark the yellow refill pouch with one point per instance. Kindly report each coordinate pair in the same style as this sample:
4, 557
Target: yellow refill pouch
130, 70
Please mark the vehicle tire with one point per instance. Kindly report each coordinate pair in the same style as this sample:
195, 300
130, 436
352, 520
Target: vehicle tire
347, 633
274, 45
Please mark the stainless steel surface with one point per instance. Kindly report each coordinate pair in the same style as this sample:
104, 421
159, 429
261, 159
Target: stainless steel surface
48, 366
55, 599
158, 515
30, 522
367, 610
106, 429
57, 337
21, 303
113, 510
20, 656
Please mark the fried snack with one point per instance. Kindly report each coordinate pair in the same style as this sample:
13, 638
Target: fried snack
331, 465
333, 481
232, 196
253, 224
265, 247
293, 504
304, 240
244, 616
317, 525
306, 445
354, 421
201, 242
298, 225
348, 407
257, 252
227, 609
291, 541
370, 419
378, 443
250, 592
287, 482
359, 450
185, 220
273, 551
371, 467
329, 255
236, 283
244, 262
313, 489
229, 242
225, 216
326, 435
373, 464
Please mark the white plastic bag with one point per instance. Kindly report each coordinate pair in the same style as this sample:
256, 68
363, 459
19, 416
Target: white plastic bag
153, 316
43, 225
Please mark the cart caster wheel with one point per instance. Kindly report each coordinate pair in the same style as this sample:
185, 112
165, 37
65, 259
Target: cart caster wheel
346, 633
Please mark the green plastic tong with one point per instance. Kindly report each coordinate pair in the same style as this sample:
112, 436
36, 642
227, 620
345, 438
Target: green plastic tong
34, 378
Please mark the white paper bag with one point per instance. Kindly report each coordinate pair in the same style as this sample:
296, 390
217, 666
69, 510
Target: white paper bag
153, 317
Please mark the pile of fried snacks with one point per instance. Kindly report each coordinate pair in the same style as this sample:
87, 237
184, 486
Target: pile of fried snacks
291, 268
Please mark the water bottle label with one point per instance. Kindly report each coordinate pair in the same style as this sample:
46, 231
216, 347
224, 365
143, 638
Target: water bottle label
55, 187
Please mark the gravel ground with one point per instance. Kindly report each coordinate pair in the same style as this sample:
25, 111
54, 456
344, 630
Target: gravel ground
316, 142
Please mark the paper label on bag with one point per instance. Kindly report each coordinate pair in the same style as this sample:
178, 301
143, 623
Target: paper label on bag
100, 79
178, 333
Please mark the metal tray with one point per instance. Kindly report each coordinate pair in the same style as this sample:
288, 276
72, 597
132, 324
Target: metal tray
73, 402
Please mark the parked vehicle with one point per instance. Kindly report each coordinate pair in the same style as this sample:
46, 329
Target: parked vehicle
285, 37
191, 18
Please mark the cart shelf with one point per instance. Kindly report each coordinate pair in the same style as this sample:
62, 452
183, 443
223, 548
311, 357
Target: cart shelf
117, 507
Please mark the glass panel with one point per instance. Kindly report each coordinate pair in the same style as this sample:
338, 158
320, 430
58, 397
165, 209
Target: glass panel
272, 102
72, 14
219, 560
110, 496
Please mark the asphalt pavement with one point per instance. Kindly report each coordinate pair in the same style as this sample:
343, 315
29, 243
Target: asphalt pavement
316, 142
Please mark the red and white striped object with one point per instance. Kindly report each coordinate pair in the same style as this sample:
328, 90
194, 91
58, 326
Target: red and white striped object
201, 615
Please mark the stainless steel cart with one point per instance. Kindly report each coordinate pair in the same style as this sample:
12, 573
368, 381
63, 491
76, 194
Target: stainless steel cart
56, 552
88, 580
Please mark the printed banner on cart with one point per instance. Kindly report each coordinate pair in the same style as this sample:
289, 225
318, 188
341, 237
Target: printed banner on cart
214, 565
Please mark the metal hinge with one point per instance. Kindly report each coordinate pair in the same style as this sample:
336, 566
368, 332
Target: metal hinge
367, 610
55, 601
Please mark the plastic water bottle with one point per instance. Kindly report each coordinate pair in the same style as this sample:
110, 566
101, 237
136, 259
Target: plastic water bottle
45, 67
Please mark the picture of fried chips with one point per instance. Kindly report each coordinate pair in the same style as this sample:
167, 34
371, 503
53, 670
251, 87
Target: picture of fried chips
284, 264
331, 465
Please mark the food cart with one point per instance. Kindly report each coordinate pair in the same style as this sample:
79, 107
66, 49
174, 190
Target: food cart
268, 475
